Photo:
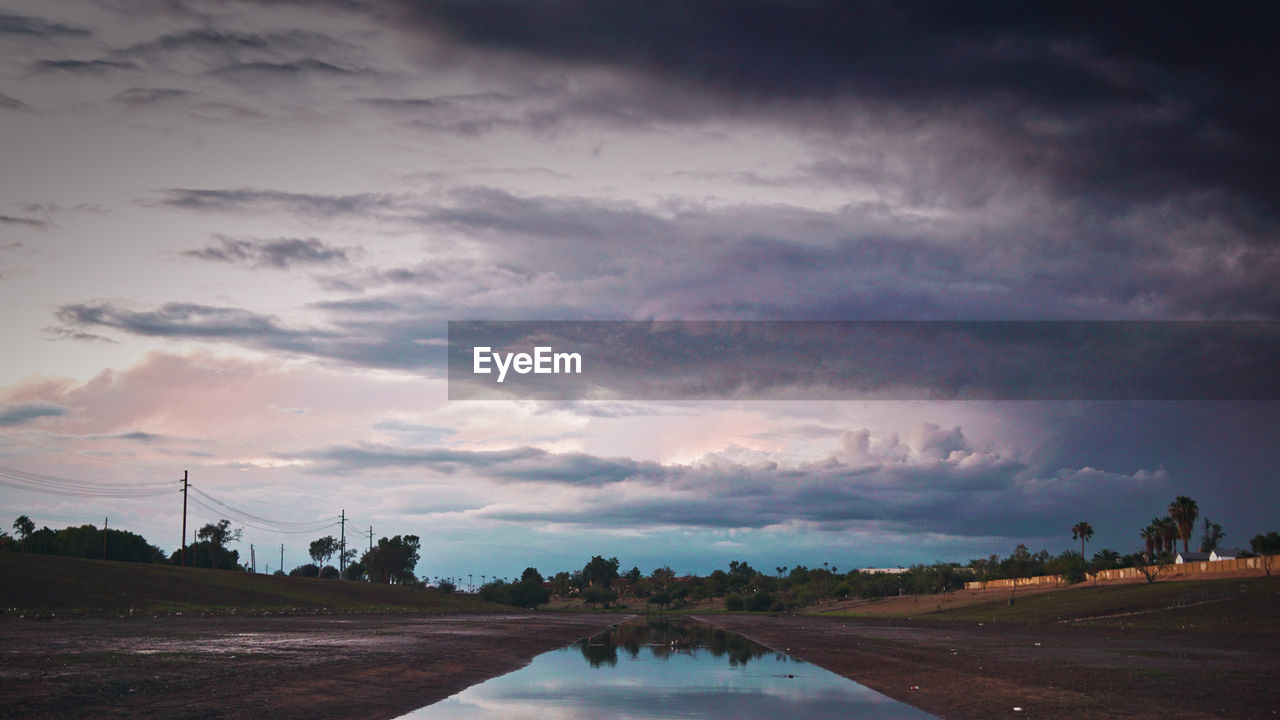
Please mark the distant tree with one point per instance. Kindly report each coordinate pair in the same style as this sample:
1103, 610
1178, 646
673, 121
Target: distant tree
323, 549
663, 577
392, 560
599, 571
597, 595
661, 599
1105, 559
328, 572
1183, 510
561, 583
310, 570
354, 571
1146, 563
633, 575
1169, 533
23, 527
218, 535
1151, 537
1082, 531
1266, 546
1212, 536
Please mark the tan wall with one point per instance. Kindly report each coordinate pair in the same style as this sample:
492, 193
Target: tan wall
1192, 568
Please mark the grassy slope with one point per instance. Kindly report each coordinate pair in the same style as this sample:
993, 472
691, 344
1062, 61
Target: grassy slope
46, 583
1256, 609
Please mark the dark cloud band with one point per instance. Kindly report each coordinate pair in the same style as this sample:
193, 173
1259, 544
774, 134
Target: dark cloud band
866, 360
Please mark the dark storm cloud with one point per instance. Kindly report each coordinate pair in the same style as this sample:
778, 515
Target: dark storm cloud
1037, 360
859, 261
235, 45
251, 200
29, 222
276, 253
1129, 102
9, 103
150, 96
942, 486
89, 67
395, 343
20, 413
187, 320
36, 27
286, 70
515, 465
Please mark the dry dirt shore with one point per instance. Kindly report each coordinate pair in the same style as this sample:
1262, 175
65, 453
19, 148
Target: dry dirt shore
328, 667
1050, 671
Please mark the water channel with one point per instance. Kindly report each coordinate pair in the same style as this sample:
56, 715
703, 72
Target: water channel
667, 669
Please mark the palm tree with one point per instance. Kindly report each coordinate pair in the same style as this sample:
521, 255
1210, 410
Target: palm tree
1149, 536
1169, 530
1083, 531
1184, 510
24, 527
1157, 534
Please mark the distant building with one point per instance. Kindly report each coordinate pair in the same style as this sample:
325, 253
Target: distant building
1224, 554
886, 571
1186, 557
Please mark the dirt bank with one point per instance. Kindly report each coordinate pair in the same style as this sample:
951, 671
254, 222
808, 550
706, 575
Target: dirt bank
1050, 671
329, 667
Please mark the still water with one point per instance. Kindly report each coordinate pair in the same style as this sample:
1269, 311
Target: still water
662, 669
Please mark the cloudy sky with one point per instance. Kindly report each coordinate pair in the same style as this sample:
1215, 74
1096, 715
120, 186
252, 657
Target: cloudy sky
232, 234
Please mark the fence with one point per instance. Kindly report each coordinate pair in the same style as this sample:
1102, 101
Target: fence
1265, 562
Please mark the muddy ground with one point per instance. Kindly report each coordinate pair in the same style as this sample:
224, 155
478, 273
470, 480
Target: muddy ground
1049, 671
368, 666
324, 667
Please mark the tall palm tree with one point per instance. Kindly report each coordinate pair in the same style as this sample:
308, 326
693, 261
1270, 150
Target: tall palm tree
1184, 510
1083, 531
1149, 536
1157, 534
1169, 529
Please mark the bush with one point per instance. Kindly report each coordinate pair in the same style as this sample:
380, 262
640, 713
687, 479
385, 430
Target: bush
309, 570
329, 572
733, 602
447, 587
759, 602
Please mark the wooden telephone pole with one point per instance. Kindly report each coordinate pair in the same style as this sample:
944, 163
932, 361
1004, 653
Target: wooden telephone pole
184, 518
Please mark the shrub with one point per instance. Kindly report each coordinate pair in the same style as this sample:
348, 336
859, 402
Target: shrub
733, 602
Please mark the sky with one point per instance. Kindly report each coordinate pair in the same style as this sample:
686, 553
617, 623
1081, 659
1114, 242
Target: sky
232, 235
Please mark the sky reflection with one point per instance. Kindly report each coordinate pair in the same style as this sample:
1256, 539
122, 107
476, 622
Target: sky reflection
666, 670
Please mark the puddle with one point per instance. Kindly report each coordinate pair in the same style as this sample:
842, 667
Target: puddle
662, 669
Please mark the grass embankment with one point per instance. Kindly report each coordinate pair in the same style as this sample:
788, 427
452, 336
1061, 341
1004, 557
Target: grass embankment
48, 584
1231, 605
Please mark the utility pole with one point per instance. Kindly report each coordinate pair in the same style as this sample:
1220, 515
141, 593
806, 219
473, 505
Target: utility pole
253, 560
281, 557
184, 518
370, 537
342, 553
104, 538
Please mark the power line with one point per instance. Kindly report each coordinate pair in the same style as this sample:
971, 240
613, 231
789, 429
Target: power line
53, 485
221, 509
272, 524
